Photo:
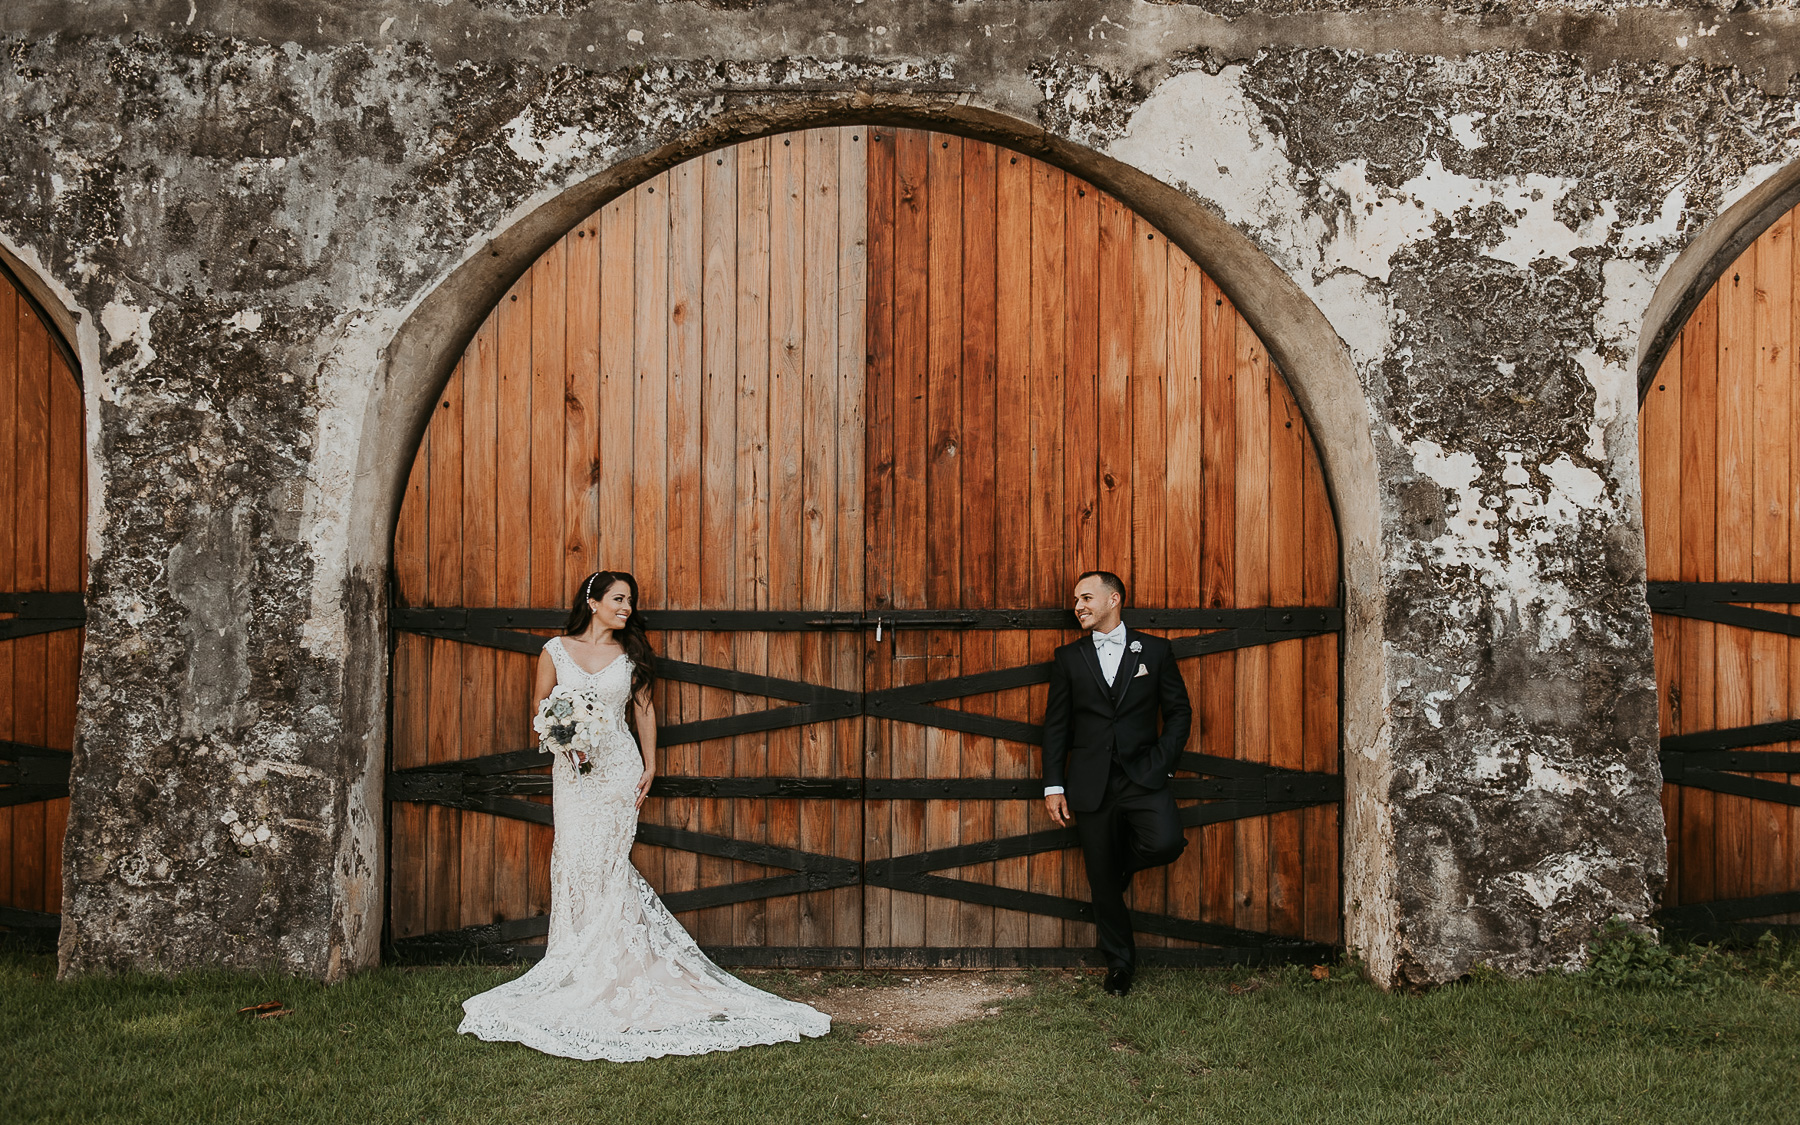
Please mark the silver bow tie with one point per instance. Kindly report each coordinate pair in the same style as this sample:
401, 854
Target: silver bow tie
1103, 641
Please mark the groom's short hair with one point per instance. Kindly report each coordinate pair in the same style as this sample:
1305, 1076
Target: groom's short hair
1108, 579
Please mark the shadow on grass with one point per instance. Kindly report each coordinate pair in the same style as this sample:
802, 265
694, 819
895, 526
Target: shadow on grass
1717, 1041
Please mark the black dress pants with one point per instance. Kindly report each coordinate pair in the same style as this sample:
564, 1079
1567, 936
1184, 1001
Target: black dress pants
1133, 829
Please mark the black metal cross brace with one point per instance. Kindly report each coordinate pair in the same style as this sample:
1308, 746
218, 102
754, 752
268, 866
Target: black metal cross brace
34, 613
32, 773
1235, 791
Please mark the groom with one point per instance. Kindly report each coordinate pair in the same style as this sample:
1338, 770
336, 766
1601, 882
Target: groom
1105, 762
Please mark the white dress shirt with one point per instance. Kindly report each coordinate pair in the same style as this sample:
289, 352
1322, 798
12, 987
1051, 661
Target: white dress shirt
1110, 648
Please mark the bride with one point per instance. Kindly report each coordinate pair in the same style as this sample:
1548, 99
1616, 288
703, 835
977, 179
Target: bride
620, 978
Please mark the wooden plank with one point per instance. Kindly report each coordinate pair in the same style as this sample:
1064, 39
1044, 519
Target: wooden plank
1319, 826
480, 529
878, 500
10, 513
1082, 456
615, 500
757, 341
718, 494
581, 407
650, 394
444, 586
411, 704
549, 358
1659, 458
977, 453
1149, 456
814, 440
943, 489
1792, 372
911, 507
1117, 330
1699, 486
793, 438
1734, 506
514, 673
1149, 398
66, 515
680, 869
30, 682
1216, 703
1011, 520
849, 591
1773, 427
1186, 507
1050, 581
1252, 543
31, 454
651, 450
1287, 685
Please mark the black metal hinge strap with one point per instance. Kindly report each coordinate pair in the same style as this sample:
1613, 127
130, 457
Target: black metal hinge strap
32, 773
1676, 772
35, 613
18, 919
1676, 762
1229, 640
750, 890
1713, 601
1731, 738
982, 851
750, 851
500, 627
750, 683
755, 722
1077, 910
1698, 915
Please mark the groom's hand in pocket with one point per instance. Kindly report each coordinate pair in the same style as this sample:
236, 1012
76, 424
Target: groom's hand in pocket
1057, 806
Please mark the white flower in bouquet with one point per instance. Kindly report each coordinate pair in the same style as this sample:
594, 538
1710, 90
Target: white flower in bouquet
573, 723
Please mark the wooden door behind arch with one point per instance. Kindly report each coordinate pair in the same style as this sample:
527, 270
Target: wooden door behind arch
675, 388
43, 571
1721, 480
820, 381
1056, 388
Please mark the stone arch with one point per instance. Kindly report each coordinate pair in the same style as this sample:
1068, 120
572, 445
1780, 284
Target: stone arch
1704, 260
423, 350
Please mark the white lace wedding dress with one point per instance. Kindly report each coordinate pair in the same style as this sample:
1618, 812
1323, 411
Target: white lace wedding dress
621, 979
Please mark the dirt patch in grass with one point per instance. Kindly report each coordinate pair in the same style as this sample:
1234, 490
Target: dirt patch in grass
908, 1009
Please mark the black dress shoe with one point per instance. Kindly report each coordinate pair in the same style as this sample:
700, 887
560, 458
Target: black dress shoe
1117, 982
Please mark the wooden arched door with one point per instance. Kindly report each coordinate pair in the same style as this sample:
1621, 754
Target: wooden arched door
1721, 478
857, 405
43, 570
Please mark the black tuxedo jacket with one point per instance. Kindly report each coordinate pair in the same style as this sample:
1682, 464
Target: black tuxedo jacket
1089, 725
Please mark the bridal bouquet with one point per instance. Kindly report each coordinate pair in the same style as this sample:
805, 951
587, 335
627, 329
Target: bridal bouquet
572, 723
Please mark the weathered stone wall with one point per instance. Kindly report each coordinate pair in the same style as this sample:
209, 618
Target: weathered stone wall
275, 221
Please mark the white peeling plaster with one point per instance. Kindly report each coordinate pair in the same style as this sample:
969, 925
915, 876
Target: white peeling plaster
1463, 126
1551, 880
129, 324
344, 388
1196, 130
1500, 545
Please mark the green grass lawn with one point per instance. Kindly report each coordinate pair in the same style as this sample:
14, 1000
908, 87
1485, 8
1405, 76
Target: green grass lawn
1646, 1037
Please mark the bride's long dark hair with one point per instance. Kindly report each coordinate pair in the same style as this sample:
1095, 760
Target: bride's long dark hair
632, 638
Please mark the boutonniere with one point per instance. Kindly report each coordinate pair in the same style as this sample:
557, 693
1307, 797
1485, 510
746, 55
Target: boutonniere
1137, 646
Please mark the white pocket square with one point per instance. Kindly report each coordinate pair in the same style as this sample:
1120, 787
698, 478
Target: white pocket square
1142, 671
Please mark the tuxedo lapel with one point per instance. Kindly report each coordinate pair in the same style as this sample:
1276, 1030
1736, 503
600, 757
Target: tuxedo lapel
1128, 666
1085, 649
